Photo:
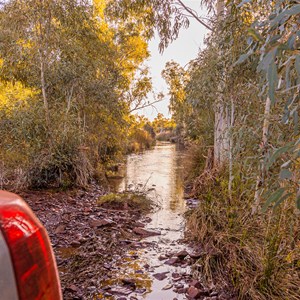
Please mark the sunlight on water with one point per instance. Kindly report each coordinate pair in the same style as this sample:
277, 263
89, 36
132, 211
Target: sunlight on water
158, 171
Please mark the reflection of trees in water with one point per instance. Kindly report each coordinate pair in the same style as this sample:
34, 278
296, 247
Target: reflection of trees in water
177, 190
163, 166
129, 267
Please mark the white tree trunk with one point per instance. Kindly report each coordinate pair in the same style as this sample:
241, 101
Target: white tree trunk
221, 135
230, 124
264, 145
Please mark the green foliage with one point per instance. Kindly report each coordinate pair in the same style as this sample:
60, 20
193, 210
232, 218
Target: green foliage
65, 74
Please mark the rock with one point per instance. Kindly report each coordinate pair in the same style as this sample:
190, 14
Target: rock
91, 289
102, 222
182, 254
182, 290
214, 293
204, 292
193, 293
107, 294
75, 244
122, 298
162, 257
139, 224
128, 281
172, 261
176, 275
140, 290
73, 288
197, 284
161, 276
144, 232
146, 266
121, 291
196, 255
60, 229
167, 287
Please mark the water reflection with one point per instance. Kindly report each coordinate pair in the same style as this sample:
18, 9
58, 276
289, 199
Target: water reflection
160, 171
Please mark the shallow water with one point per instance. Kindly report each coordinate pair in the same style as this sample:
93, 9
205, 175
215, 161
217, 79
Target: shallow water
158, 171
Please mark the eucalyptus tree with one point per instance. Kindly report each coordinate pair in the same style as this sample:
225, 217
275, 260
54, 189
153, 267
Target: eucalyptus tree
81, 67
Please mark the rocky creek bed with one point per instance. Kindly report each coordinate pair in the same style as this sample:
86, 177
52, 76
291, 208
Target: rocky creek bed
116, 251
91, 244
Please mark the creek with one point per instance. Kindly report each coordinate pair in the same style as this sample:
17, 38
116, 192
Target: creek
158, 171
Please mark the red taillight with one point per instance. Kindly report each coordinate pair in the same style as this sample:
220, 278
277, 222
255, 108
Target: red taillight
31, 253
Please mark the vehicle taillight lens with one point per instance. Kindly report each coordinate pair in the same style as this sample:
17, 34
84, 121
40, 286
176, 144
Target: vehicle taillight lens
31, 253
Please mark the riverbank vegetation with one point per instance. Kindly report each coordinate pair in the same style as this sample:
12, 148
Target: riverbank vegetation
72, 76
238, 104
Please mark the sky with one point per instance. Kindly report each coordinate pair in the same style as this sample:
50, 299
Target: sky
184, 49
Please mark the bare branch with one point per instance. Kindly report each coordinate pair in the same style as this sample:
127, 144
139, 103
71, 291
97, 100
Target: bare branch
194, 15
137, 107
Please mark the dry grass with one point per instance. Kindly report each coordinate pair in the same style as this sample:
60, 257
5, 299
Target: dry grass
126, 200
257, 255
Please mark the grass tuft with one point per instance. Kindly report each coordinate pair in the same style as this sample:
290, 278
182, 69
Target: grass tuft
126, 200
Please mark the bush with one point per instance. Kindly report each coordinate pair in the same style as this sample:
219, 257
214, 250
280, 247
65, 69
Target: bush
257, 255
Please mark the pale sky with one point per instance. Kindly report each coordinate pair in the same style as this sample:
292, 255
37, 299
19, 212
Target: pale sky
184, 49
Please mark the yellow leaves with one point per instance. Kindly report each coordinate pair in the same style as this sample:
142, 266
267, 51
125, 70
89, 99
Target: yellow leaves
99, 7
247, 17
26, 44
136, 49
15, 97
56, 23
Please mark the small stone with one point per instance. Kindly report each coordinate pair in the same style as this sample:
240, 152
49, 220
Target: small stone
121, 291
91, 289
139, 224
144, 232
172, 261
75, 244
182, 291
141, 290
107, 294
73, 288
128, 281
161, 276
197, 284
193, 293
182, 254
196, 255
60, 229
162, 257
167, 287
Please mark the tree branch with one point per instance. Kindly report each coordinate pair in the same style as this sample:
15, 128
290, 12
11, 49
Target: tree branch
137, 107
194, 15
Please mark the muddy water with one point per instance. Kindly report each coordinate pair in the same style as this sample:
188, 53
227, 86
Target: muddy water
158, 171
